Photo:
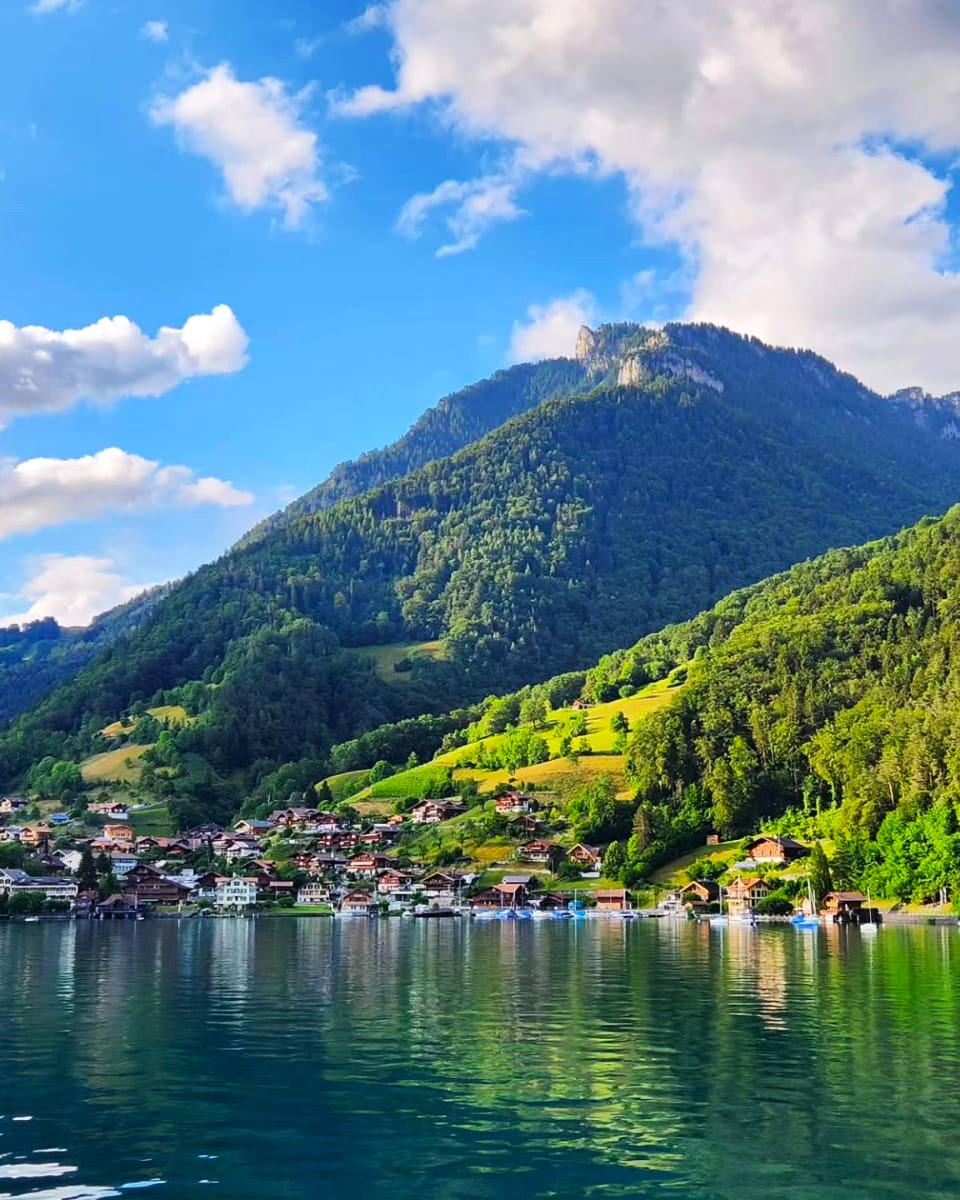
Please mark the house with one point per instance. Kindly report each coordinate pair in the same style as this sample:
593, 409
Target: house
12, 833
511, 804
327, 864
528, 882
339, 839
524, 826
392, 880
357, 902
700, 891
501, 895
119, 832
843, 904
293, 818
205, 886
13, 804
256, 829
241, 849
175, 847
313, 893
236, 893
100, 846
122, 864
579, 705
35, 835
112, 908
432, 812
14, 881
550, 900
746, 892
772, 849
539, 851
368, 864
146, 885
115, 811
439, 883
613, 900
587, 858
71, 860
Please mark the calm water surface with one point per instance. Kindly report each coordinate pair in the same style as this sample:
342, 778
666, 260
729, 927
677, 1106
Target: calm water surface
428, 1060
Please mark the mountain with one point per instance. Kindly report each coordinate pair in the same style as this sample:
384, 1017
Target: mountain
36, 656
684, 463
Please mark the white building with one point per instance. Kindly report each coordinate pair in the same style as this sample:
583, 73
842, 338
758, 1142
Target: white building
120, 864
13, 881
313, 892
237, 893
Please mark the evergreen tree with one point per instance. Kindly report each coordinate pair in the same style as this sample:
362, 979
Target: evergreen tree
819, 872
87, 871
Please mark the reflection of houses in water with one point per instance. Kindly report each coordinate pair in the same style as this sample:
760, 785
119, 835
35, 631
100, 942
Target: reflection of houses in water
771, 978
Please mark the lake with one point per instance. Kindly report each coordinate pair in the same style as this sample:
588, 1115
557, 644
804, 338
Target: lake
447, 1061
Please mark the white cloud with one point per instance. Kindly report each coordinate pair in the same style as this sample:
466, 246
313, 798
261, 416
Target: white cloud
254, 133
47, 6
39, 492
477, 205
74, 588
764, 138
550, 330
374, 16
42, 370
307, 47
155, 31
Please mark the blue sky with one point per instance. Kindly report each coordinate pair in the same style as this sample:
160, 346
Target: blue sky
586, 176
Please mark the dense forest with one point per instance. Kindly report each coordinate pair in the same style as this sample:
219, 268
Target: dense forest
824, 703
575, 527
40, 654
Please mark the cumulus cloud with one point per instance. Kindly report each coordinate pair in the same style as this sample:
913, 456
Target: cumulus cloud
74, 588
254, 133
39, 492
155, 31
43, 370
550, 330
796, 151
476, 204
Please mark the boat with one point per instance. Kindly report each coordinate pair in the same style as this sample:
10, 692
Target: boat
424, 910
869, 927
719, 919
807, 920
626, 913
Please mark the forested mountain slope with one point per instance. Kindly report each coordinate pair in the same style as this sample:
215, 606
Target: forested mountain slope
36, 656
455, 422
832, 691
699, 462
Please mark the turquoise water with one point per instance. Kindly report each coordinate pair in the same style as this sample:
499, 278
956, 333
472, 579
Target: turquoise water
444, 1061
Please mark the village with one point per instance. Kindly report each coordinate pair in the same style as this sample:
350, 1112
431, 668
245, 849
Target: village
307, 862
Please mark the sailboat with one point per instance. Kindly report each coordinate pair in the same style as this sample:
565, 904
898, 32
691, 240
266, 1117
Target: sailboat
871, 926
719, 918
803, 920
626, 913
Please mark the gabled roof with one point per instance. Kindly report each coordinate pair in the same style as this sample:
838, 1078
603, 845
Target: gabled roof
784, 842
